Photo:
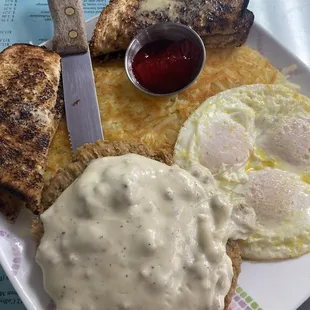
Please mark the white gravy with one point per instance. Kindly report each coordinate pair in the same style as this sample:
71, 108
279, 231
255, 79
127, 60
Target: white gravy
133, 233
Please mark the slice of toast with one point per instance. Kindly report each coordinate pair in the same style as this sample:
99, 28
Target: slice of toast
121, 20
29, 116
242, 28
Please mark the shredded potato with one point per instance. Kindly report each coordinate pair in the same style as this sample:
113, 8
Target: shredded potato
128, 114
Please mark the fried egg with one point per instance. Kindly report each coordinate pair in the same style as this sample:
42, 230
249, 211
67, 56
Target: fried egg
285, 141
282, 205
255, 140
219, 135
128, 114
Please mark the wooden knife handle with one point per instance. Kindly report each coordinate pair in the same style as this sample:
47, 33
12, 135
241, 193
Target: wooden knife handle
69, 29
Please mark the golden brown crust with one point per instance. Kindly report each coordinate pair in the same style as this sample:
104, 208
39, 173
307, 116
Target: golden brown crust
10, 205
117, 16
121, 20
65, 177
87, 153
234, 252
29, 116
37, 230
236, 39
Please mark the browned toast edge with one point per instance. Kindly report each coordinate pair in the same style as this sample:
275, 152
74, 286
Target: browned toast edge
11, 212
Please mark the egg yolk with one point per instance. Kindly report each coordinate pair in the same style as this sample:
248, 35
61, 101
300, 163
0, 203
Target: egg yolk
223, 144
290, 141
275, 193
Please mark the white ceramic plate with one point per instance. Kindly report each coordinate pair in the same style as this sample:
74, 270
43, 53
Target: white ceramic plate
283, 285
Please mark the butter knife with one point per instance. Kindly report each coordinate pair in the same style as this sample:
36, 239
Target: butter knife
70, 41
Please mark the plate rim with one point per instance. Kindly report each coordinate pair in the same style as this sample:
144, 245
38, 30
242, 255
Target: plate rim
12, 278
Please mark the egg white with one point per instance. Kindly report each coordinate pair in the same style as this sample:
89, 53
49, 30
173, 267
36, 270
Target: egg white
257, 136
281, 201
218, 135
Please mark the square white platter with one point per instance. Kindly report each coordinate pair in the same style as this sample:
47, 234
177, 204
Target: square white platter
281, 285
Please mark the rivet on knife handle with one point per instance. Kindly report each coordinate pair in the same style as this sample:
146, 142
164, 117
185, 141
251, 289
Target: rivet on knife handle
70, 35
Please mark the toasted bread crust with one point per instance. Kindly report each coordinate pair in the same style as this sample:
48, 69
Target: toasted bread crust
65, 177
236, 39
29, 116
10, 205
121, 20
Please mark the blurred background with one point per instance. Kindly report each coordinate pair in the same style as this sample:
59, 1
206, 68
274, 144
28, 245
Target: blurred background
288, 21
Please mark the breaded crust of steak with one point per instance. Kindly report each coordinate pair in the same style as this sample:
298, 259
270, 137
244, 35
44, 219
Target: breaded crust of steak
29, 116
65, 177
121, 20
10, 205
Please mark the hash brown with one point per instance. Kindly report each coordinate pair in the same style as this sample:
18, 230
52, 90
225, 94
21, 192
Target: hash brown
128, 114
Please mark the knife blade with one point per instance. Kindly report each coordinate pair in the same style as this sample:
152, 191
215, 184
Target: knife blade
305, 305
70, 41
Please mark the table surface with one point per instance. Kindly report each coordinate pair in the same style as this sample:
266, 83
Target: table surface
286, 20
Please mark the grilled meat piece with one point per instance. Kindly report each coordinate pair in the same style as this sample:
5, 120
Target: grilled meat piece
121, 20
